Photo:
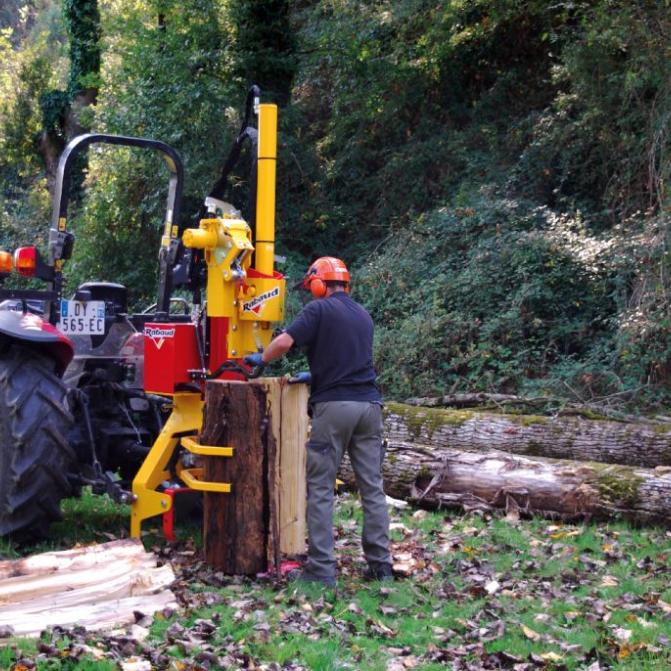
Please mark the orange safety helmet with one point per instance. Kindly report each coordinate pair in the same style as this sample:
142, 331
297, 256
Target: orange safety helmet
323, 270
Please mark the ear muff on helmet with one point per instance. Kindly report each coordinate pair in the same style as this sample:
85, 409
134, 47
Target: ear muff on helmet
317, 287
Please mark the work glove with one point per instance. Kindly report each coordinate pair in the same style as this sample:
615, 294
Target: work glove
304, 377
254, 360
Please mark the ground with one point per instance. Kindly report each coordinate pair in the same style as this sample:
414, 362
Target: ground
480, 592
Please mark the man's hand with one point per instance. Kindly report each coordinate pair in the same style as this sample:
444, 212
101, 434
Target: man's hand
304, 377
255, 360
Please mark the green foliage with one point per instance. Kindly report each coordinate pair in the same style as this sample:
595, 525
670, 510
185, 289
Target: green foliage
484, 297
24, 77
495, 173
166, 79
264, 46
54, 105
82, 21
402, 102
604, 139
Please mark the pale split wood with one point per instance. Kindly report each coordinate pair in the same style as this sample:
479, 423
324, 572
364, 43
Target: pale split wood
290, 425
75, 559
96, 586
295, 430
94, 617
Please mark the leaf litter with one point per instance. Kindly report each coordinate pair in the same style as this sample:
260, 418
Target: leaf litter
471, 592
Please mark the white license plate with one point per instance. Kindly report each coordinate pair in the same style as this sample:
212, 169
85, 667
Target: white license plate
82, 318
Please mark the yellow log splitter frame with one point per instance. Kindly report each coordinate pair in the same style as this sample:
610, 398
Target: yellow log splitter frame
242, 302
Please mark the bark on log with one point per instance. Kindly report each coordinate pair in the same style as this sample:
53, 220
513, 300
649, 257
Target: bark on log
647, 445
237, 526
530, 485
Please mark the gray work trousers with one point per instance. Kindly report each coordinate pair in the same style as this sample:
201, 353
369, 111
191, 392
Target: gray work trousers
355, 426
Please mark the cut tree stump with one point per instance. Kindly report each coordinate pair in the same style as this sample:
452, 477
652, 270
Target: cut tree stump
98, 587
440, 476
633, 444
263, 517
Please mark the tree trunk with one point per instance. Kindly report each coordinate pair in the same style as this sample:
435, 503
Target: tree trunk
237, 525
440, 476
642, 444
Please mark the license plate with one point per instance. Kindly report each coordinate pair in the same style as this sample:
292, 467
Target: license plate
82, 318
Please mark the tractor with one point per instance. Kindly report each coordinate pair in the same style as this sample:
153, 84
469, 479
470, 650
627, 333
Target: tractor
92, 395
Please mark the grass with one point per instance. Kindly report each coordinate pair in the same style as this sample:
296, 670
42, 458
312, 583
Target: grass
482, 590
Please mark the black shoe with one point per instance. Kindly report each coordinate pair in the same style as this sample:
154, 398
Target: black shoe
381, 572
305, 576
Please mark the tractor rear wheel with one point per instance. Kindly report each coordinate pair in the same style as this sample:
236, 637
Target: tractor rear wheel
35, 457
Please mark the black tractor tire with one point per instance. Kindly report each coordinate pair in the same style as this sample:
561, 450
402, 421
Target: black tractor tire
35, 458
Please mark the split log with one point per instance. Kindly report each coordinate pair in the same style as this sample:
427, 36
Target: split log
290, 426
531, 485
644, 444
97, 586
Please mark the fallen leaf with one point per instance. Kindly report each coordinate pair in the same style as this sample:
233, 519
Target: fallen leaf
622, 634
136, 664
666, 607
551, 657
492, 586
530, 633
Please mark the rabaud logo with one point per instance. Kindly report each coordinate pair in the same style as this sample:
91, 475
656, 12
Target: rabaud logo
257, 302
159, 334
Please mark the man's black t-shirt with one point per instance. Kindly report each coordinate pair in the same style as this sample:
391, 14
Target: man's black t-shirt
338, 335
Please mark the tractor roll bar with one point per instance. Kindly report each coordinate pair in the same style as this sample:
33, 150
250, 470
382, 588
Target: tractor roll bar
60, 241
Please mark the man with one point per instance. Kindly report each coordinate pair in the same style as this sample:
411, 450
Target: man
346, 411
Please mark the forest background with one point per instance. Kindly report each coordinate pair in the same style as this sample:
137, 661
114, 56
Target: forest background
495, 173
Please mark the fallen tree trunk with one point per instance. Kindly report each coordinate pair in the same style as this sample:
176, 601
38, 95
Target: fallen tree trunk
634, 444
529, 485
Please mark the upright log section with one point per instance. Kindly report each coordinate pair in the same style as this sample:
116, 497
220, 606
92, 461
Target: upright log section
265, 422
236, 525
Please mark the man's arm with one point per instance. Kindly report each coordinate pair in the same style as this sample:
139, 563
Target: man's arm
277, 347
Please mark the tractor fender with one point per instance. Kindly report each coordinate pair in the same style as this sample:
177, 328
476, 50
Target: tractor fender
39, 334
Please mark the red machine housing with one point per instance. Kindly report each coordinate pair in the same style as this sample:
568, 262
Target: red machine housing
170, 352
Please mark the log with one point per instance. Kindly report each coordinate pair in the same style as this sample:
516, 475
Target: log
493, 480
99, 587
640, 444
290, 425
237, 526
263, 518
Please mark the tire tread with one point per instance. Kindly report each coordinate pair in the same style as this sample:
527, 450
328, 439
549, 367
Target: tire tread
35, 457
